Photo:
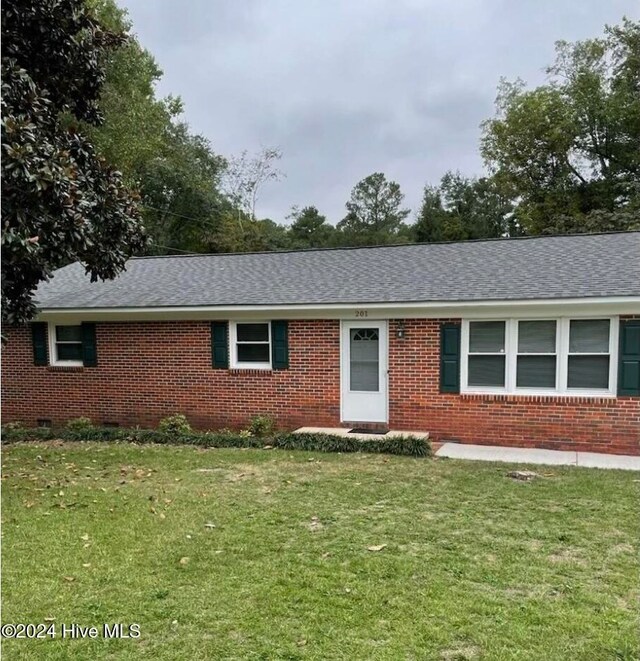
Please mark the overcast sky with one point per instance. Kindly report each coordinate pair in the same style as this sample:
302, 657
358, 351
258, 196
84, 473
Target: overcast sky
350, 87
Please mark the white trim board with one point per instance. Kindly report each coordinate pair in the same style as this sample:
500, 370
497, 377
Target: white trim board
608, 306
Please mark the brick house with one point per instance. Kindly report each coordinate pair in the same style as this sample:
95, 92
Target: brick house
522, 342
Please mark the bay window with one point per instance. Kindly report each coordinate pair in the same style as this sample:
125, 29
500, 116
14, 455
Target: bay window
539, 356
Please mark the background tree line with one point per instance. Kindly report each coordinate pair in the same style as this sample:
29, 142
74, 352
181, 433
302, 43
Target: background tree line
96, 167
563, 157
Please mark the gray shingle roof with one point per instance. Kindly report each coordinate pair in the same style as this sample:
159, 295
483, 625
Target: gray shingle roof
595, 265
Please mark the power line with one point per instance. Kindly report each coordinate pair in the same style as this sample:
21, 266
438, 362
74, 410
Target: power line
173, 213
186, 252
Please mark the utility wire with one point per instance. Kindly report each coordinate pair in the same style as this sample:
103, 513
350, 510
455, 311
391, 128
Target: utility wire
186, 252
173, 213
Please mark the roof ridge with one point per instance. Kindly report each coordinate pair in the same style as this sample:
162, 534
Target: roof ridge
391, 245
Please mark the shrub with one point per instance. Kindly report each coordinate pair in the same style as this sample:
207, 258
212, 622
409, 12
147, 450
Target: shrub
175, 424
79, 425
409, 446
262, 425
13, 431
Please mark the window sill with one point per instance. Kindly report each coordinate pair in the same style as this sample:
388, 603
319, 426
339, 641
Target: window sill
550, 398
65, 368
251, 371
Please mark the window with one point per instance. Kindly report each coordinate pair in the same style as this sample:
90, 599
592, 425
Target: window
536, 367
251, 345
364, 360
65, 345
588, 353
486, 353
541, 356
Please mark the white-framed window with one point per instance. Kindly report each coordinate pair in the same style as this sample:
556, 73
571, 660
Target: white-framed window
250, 344
65, 344
561, 356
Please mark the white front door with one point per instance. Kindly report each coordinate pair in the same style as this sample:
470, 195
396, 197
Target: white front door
364, 371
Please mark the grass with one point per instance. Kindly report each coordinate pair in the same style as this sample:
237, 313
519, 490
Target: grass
476, 565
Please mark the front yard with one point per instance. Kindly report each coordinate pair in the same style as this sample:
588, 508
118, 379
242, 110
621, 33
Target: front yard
268, 554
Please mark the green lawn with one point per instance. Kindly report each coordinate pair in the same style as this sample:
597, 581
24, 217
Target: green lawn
476, 565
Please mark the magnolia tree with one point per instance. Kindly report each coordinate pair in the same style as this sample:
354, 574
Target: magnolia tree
61, 202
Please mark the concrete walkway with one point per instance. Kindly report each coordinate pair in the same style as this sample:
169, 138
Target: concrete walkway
535, 456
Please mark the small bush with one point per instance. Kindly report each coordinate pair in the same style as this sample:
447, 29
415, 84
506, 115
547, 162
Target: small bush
13, 431
262, 425
408, 446
175, 424
79, 425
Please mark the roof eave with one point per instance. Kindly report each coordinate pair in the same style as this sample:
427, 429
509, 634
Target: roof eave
625, 305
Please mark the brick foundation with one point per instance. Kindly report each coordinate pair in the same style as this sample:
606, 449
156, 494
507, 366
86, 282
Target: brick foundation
149, 370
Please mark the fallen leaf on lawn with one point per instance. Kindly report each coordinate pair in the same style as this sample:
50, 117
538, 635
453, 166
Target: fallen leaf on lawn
326, 555
302, 643
379, 547
188, 536
86, 546
86, 564
152, 510
184, 561
85, 537
315, 524
209, 525
70, 579
163, 515
60, 493
49, 619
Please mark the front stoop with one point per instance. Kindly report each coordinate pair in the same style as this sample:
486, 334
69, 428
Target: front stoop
374, 427
344, 431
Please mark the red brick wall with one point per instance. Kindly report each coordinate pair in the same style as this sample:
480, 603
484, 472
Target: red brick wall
559, 423
149, 370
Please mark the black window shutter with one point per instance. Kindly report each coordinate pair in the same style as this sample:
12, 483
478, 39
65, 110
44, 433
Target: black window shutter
39, 341
89, 347
450, 357
220, 344
629, 358
280, 344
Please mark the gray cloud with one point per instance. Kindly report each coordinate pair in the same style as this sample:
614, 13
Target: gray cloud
347, 88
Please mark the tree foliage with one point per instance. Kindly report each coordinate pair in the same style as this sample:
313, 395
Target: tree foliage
61, 202
461, 208
375, 214
176, 171
569, 151
310, 229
